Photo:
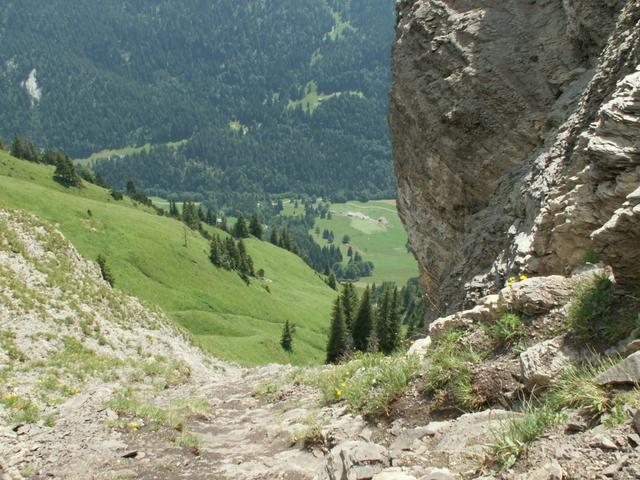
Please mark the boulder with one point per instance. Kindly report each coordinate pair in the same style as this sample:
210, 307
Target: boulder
393, 474
487, 309
408, 438
472, 432
542, 362
420, 347
439, 474
537, 295
636, 421
625, 372
354, 460
549, 471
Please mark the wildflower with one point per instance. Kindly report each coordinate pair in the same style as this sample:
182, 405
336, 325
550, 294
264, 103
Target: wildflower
133, 426
338, 393
523, 277
343, 385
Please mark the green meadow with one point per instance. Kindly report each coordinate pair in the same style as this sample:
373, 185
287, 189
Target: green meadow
148, 257
375, 230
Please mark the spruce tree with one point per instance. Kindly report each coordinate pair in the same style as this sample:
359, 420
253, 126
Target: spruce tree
382, 321
240, 230
286, 341
393, 335
16, 147
65, 173
337, 344
274, 237
131, 187
349, 304
232, 256
363, 323
216, 254
255, 226
105, 270
332, 282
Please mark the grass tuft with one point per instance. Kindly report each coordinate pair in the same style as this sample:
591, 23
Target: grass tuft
512, 441
368, 383
505, 331
449, 373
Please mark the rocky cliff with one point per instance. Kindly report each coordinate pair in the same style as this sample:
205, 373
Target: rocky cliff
516, 134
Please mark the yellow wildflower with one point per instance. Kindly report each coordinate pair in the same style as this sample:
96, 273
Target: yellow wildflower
523, 277
343, 385
338, 393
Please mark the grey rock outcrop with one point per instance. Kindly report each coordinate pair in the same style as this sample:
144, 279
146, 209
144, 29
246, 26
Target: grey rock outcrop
515, 136
354, 460
618, 240
537, 295
541, 363
627, 371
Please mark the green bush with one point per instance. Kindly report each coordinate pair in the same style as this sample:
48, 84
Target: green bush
105, 270
505, 331
590, 310
368, 383
449, 372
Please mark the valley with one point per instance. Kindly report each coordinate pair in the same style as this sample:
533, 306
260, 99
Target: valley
147, 255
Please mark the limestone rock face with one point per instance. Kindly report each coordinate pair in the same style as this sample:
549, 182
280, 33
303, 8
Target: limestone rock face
618, 240
514, 127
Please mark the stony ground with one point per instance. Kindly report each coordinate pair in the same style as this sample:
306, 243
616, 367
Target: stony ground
95, 385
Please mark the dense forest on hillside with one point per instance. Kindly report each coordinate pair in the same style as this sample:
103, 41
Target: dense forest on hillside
273, 96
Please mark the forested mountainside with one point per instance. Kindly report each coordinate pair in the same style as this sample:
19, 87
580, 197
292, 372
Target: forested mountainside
297, 91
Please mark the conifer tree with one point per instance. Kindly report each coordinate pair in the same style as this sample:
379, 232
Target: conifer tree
202, 216
240, 229
65, 172
363, 323
337, 344
349, 304
173, 209
274, 237
393, 335
255, 226
286, 341
382, 321
105, 270
16, 147
211, 219
2, 145
233, 259
216, 254
332, 282
223, 224
131, 187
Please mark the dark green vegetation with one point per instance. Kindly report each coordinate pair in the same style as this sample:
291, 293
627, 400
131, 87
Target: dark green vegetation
594, 319
371, 324
238, 100
163, 262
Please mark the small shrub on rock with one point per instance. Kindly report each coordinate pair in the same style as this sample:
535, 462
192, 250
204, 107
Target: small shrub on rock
505, 331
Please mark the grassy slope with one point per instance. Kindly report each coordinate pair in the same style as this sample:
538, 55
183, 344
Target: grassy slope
384, 246
148, 258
